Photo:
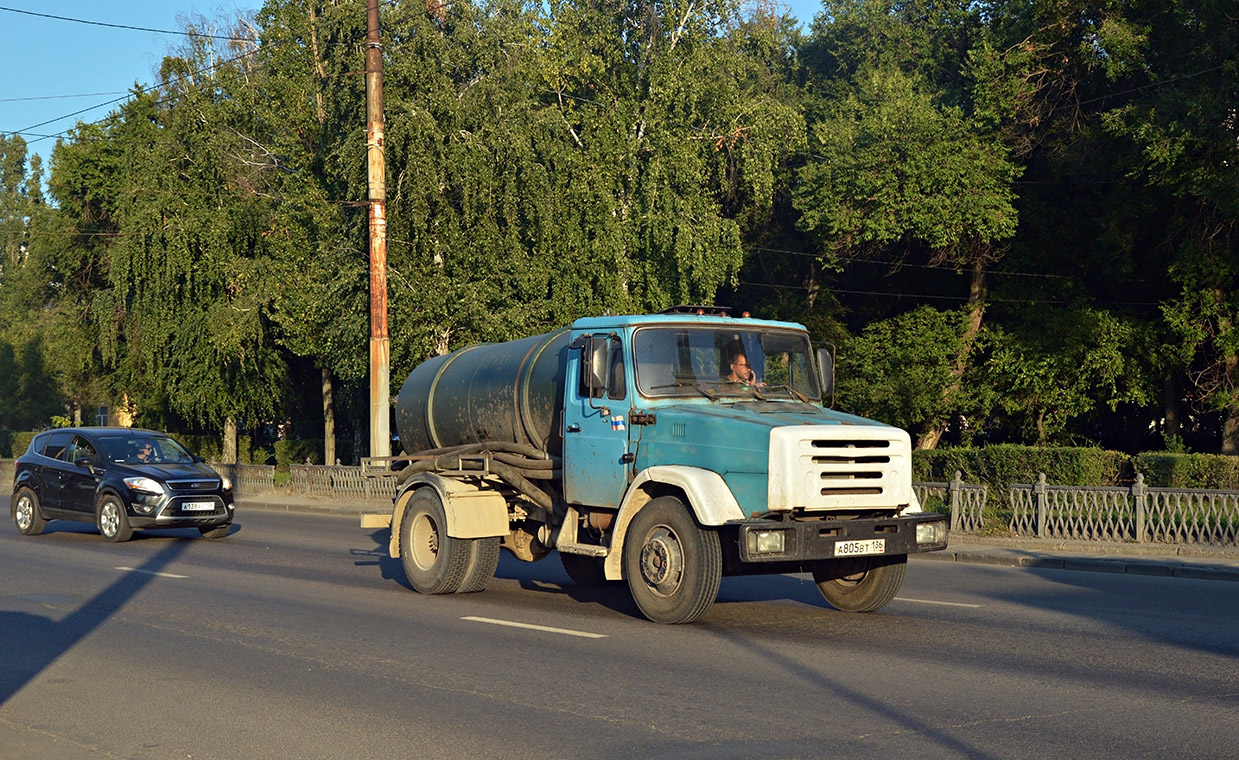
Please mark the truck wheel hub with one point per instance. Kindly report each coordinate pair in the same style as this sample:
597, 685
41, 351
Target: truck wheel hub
662, 561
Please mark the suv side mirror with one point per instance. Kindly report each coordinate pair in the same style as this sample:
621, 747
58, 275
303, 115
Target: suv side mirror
85, 462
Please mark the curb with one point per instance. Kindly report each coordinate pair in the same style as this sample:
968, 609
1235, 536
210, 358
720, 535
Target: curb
1170, 567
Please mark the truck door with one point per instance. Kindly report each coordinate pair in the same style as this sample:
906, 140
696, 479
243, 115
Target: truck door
595, 422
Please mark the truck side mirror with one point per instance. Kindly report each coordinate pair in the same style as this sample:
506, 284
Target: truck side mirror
598, 362
826, 368
593, 380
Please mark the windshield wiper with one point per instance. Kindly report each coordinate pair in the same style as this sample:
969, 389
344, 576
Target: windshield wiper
694, 385
799, 396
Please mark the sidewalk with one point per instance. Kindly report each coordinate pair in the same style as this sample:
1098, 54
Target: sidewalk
1220, 563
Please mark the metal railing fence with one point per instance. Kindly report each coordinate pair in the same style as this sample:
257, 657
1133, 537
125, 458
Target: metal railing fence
340, 480
1136, 513
964, 501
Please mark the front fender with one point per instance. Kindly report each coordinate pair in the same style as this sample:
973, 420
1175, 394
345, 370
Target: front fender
706, 493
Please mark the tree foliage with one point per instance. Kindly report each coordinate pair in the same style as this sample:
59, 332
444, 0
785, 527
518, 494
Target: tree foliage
1017, 219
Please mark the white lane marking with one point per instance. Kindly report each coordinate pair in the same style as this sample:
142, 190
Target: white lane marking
931, 601
548, 629
148, 572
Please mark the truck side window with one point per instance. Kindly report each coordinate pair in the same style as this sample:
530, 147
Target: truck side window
592, 351
616, 387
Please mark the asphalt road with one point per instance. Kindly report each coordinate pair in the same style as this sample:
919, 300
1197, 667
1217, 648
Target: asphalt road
296, 637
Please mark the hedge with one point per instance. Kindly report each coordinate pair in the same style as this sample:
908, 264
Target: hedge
1188, 470
1001, 465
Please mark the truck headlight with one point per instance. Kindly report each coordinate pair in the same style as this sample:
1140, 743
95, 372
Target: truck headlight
931, 533
766, 542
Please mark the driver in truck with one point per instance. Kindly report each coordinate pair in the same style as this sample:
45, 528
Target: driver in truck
741, 372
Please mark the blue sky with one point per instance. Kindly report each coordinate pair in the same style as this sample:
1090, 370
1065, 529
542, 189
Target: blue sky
55, 68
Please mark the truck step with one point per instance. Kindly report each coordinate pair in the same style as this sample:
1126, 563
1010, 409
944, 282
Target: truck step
589, 550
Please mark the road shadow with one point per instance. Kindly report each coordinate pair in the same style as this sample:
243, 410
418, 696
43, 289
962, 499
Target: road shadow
547, 576
33, 642
389, 567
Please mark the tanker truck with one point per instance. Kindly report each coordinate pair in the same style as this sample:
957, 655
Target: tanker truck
663, 450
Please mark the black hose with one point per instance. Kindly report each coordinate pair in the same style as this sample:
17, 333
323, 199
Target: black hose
511, 475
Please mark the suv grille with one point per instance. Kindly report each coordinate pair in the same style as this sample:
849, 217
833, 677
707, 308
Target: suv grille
198, 485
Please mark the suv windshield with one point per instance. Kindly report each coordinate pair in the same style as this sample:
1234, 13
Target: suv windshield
145, 450
724, 361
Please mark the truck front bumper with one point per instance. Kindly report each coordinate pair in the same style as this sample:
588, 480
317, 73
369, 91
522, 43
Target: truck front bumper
807, 541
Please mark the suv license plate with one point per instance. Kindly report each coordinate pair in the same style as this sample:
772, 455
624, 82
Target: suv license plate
856, 548
198, 506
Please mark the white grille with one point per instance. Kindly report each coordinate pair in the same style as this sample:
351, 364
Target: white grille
838, 467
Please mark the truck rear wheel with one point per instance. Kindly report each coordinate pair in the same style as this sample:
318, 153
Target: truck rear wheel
672, 565
860, 584
483, 561
434, 562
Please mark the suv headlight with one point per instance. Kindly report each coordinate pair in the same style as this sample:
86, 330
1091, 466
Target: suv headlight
145, 485
225, 482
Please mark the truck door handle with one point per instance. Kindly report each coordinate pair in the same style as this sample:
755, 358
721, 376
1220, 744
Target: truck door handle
573, 428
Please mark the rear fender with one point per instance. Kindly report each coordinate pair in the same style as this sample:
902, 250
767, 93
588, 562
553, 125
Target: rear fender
472, 512
703, 491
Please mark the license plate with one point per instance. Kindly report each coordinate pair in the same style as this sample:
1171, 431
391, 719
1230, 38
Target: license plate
857, 548
198, 506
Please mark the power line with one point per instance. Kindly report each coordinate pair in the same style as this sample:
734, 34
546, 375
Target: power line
125, 26
996, 272
59, 97
929, 297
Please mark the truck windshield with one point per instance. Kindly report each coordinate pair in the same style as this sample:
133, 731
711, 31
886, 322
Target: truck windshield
724, 361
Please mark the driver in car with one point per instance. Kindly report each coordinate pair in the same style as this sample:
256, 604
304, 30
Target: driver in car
146, 452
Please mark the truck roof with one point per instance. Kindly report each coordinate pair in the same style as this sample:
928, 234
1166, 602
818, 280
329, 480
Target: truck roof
643, 320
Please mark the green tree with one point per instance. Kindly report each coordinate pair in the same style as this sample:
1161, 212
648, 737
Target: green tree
900, 163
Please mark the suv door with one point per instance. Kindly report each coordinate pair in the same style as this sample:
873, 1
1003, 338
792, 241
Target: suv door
80, 481
52, 470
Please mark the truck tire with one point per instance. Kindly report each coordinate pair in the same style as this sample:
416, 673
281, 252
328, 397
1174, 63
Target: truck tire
672, 565
26, 514
483, 561
434, 562
860, 584
584, 571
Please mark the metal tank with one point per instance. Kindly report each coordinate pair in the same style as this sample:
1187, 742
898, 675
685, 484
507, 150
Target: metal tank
489, 392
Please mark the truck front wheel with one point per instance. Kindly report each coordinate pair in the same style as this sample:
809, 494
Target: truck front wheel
672, 565
434, 562
860, 584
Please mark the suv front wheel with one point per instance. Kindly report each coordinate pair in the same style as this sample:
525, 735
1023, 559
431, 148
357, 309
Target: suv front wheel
112, 520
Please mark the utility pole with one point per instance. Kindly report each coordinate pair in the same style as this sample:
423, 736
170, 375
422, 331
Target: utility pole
380, 341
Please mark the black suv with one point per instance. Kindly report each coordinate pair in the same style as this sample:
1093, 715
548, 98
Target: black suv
119, 479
